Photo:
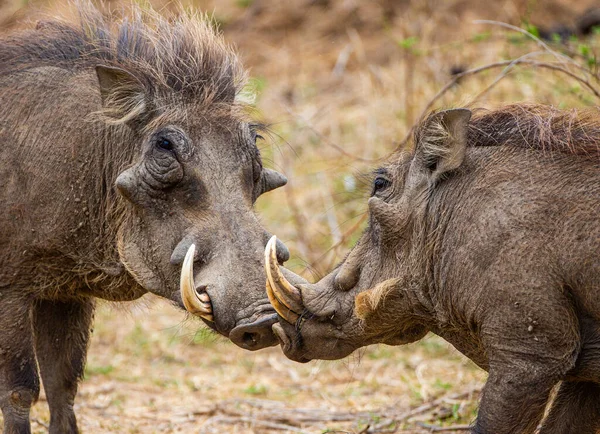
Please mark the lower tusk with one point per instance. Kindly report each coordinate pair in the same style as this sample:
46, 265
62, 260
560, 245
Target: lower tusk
285, 312
284, 297
196, 304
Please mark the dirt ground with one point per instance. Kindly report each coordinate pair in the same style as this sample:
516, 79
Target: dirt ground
152, 371
340, 82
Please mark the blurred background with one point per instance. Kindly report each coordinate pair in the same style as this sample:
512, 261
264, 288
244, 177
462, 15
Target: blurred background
341, 84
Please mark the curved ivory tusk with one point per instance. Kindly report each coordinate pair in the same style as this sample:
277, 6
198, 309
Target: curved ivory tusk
284, 297
287, 293
287, 314
196, 304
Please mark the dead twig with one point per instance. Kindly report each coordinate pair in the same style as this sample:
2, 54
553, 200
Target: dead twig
39, 422
329, 206
335, 146
253, 422
435, 403
565, 59
299, 219
342, 240
507, 63
382, 427
434, 428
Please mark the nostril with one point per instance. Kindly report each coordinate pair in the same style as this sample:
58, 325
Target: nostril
250, 340
256, 335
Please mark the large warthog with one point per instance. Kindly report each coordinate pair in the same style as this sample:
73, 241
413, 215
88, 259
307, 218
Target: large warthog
487, 234
125, 153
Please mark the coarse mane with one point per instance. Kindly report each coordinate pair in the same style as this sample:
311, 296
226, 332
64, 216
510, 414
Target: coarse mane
184, 55
535, 126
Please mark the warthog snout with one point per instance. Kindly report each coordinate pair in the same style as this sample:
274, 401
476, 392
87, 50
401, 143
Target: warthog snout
255, 335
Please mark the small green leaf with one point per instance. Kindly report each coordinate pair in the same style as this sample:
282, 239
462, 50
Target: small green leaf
409, 42
256, 389
584, 50
480, 37
532, 30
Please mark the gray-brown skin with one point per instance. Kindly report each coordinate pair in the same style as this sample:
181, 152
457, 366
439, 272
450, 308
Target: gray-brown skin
122, 145
488, 235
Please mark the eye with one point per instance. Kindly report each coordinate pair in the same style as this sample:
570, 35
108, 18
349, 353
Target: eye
165, 144
254, 129
379, 184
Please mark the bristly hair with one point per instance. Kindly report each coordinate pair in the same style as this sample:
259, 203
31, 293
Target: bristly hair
534, 126
183, 55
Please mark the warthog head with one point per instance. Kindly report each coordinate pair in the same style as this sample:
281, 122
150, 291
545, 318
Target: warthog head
332, 318
188, 231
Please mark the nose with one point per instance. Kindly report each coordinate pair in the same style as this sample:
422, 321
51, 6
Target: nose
256, 335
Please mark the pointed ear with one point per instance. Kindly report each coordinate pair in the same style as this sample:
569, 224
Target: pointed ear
123, 95
269, 180
442, 141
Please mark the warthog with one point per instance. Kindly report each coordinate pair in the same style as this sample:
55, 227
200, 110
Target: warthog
488, 235
125, 151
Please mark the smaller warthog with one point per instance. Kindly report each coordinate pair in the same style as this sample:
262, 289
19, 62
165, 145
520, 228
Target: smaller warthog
487, 234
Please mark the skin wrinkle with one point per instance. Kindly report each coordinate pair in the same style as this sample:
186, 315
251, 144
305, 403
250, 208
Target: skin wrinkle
498, 255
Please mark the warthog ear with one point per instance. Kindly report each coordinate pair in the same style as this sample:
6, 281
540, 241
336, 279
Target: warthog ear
269, 180
123, 95
442, 141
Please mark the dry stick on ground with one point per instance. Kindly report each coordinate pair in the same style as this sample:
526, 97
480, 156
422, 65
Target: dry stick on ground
40, 422
254, 422
434, 428
274, 411
273, 415
435, 403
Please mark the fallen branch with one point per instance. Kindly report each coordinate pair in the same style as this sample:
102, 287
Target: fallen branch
435, 403
434, 428
254, 422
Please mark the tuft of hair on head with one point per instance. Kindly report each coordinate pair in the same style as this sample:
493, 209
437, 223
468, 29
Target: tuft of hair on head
539, 127
179, 57
370, 301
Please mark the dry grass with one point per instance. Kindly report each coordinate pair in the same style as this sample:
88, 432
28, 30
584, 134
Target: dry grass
342, 83
149, 371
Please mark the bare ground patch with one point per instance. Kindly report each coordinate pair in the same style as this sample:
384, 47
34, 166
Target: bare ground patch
151, 371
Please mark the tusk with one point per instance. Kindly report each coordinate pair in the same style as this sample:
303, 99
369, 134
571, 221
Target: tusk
285, 312
196, 304
284, 297
284, 290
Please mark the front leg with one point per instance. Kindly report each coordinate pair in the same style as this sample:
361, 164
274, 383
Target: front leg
62, 331
576, 410
531, 345
512, 402
19, 382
